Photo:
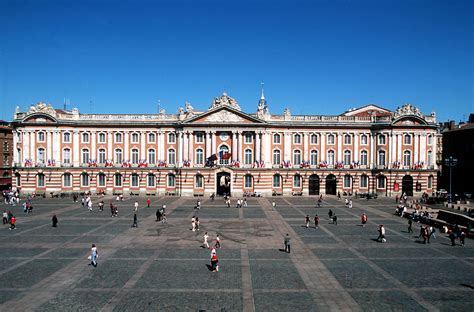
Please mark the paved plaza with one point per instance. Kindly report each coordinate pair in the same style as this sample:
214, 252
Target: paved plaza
162, 267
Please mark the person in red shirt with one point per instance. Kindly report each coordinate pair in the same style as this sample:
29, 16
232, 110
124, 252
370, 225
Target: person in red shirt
13, 223
148, 202
363, 219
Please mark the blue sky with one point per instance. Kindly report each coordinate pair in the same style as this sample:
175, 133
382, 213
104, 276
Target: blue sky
315, 57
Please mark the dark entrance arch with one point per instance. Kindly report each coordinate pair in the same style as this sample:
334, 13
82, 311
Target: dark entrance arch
223, 184
313, 184
407, 185
331, 184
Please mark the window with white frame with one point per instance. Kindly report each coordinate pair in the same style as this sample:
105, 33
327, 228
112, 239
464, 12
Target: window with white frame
85, 137
171, 180
330, 159
118, 138
66, 137
364, 181
248, 181
248, 137
101, 137
297, 138
347, 139
381, 182
199, 137
67, 180
276, 138
151, 138
41, 155
313, 158
276, 157
134, 137
199, 183
85, 156
314, 139
41, 136
430, 182
84, 179
407, 158
382, 158
347, 181
134, 180
363, 158
382, 139
347, 158
118, 179
297, 181
171, 138
297, 157
429, 159
67, 156
101, 156
101, 179
118, 156
134, 156
151, 156
18, 179
151, 180
430, 139
40, 180
171, 156
407, 139
331, 139
199, 157
276, 180
364, 140
248, 157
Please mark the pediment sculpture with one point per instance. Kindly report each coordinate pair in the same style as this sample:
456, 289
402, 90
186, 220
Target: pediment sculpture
225, 116
224, 100
407, 109
42, 108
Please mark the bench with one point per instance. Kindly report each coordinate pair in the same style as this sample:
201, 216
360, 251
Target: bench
151, 193
198, 194
298, 193
169, 193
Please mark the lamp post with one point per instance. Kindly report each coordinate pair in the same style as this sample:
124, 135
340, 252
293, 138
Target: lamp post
450, 162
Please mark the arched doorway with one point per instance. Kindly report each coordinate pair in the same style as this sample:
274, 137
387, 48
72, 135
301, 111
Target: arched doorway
407, 185
223, 184
331, 184
313, 184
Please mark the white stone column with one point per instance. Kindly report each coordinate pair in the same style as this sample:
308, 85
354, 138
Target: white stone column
234, 150
323, 156
186, 145
240, 148
423, 154
126, 146
207, 140
142, 139
180, 145
305, 146
266, 150
110, 151
416, 146
356, 138
161, 146
373, 141
257, 146
76, 160
213, 143
56, 146
390, 149
93, 143
287, 147
191, 147
49, 146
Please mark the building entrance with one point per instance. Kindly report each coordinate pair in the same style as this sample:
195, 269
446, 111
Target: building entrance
407, 185
223, 184
331, 184
313, 184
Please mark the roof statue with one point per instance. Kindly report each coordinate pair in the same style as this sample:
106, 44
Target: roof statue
262, 108
406, 110
224, 100
189, 110
42, 108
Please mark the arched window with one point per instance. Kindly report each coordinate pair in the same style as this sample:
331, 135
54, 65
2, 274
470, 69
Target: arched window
41, 137
101, 137
314, 158
41, 155
248, 157
118, 156
118, 138
330, 159
331, 139
199, 183
347, 157
85, 138
171, 180
151, 180
363, 139
430, 182
297, 157
297, 138
101, 156
85, 156
67, 180
66, 137
363, 158
134, 156
430, 159
151, 156
407, 158
151, 138
297, 180
199, 157
276, 138
134, 180
407, 139
67, 156
118, 179
314, 138
248, 181
347, 139
134, 137
381, 182
40, 180
276, 157
171, 138
276, 180
381, 158
101, 179
171, 156
84, 179
347, 181
364, 181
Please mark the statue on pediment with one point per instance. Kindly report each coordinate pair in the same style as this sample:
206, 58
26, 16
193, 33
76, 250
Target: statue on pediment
287, 112
407, 109
224, 100
42, 108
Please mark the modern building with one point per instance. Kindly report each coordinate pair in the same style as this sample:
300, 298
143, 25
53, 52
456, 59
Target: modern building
6, 141
225, 150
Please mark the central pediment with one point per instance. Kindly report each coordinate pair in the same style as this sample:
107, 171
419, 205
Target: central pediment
225, 115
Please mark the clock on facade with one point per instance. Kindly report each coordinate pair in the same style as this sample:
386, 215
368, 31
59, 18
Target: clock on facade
224, 136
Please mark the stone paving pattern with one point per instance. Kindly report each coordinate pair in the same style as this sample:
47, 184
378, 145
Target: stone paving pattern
162, 267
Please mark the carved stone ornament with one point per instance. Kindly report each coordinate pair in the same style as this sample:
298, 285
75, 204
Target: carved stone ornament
224, 100
42, 108
406, 110
224, 115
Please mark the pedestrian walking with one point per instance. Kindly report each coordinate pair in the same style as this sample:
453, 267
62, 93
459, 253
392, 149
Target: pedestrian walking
462, 238
135, 206
13, 223
334, 220
338, 195
193, 223
164, 219
214, 262
54, 220
245, 202
135, 220
424, 234
205, 243
286, 241
93, 256
432, 232
316, 221
5, 217
306, 220
318, 205
381, 237
273, 205
158, 215
197, 222
101, 205
112, 210
89, 204
363, 219
218, 241
410, 224
350, 204
452, 237
330, 213
148, 202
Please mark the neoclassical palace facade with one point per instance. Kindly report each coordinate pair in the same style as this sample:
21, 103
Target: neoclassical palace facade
224, 150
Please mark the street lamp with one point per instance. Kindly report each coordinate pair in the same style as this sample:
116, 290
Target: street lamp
450, 162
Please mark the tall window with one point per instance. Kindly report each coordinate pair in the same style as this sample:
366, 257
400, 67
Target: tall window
430, 139
364, 181
314, 138
330, 159
66, 137
381, 158
276, 157
248, 157
101, 179
248, 181
277, 180
171, 138
171, 180
199, 137
151, 180
40, 180
248, 137
151, 138
297, 157
297, 139
407, 139
134, 137
84, 179
118, 156
430, 158
381, 139
101, 155
67, 156
347, 181
41, 155
151, 156
118, 179
41, 137
134, 156
363, 158
85, 138
67, 180
118, 138
276, 138
314, 158
134, 180
347, 157
297, 181
430, 182
381, 182
223, 150
199, 157
407, 158
199, 181
331, 139
101, 137
171, 156
347, 139
363, 139
85, 156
